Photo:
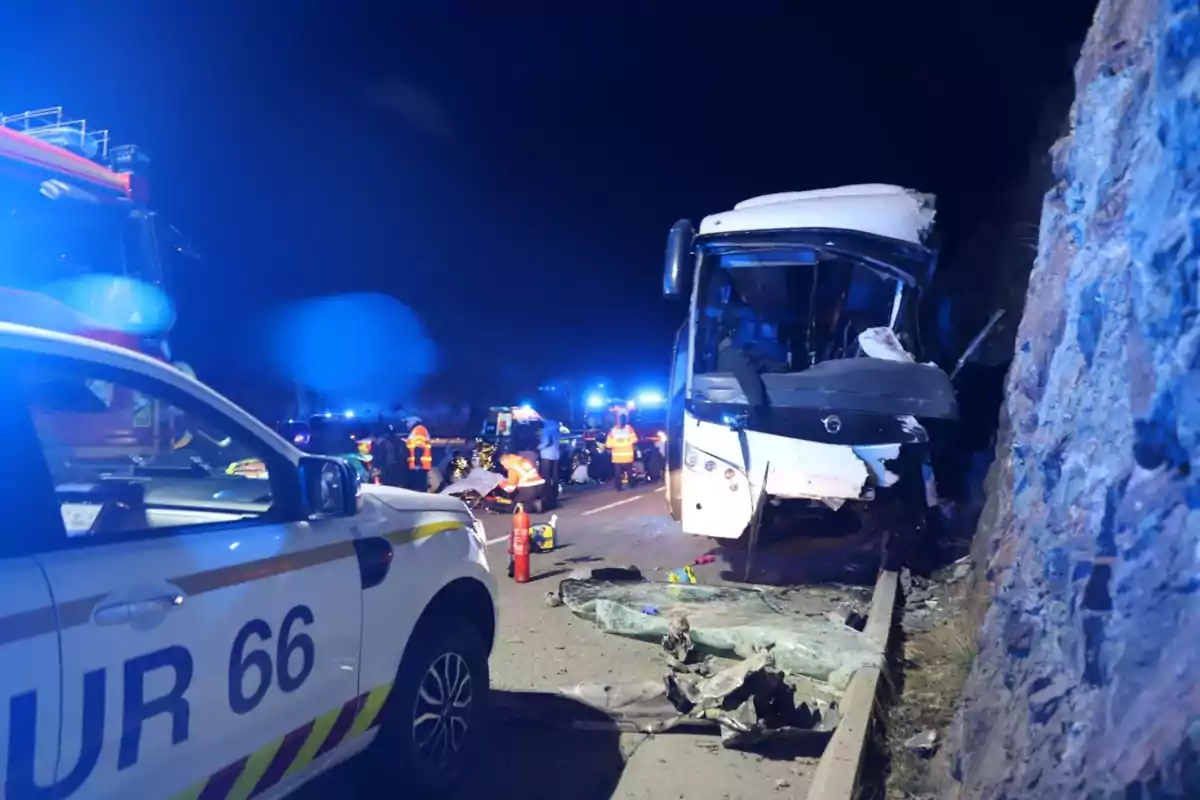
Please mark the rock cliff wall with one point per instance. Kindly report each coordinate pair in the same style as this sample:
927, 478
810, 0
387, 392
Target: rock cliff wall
1087, 683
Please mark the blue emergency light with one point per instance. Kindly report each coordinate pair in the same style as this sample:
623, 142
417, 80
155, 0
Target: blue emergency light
650, 398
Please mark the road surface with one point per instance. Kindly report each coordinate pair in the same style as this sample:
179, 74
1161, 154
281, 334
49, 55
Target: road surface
539, 649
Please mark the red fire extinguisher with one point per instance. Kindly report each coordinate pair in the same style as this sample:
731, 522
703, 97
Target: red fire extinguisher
520, 545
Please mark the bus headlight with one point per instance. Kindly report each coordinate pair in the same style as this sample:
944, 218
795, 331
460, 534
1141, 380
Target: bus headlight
703, 463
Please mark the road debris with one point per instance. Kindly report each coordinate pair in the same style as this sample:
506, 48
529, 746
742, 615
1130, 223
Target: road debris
925, 743
930, 602
678, 639
682, 575
751, 703
729, 621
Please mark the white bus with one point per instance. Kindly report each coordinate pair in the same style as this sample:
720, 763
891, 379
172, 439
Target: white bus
779, 405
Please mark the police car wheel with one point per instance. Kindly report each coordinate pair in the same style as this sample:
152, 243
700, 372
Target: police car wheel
433, 725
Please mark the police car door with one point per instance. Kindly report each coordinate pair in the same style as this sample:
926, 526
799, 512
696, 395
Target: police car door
29, 664
210, 634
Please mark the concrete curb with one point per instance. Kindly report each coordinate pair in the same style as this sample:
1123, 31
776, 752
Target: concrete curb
837, 773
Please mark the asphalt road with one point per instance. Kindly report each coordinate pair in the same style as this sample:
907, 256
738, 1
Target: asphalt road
540, 649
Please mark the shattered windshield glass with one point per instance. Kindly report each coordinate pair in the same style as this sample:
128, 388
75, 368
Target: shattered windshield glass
787, 307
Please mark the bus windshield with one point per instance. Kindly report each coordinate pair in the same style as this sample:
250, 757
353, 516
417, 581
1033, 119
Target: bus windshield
790, 307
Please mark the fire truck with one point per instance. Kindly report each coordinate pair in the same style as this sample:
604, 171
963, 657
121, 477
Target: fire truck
83, 252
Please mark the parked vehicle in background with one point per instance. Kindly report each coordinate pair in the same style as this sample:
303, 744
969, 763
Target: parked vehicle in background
330, 435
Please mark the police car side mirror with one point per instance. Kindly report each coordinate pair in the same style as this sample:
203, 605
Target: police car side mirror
331, 487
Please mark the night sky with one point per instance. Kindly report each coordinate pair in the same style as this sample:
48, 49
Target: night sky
497, 169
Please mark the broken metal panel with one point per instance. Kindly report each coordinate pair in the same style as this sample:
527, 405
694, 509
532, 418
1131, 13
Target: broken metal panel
976, 342
874, 458
752, 702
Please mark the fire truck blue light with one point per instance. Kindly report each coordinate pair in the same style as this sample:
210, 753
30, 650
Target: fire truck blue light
650, 398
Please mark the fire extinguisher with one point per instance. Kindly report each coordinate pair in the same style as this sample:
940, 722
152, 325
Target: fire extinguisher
520, 545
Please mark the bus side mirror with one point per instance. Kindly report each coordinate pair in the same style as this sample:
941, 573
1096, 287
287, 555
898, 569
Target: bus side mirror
676, 269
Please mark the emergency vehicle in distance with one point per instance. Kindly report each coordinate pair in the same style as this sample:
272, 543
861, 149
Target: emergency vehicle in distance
772, 410
218, 620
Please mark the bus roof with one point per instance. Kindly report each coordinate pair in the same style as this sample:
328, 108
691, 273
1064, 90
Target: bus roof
875, 208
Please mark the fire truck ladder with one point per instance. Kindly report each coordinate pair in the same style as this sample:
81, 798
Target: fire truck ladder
51, 126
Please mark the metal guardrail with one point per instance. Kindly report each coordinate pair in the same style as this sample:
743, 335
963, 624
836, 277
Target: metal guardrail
840, 769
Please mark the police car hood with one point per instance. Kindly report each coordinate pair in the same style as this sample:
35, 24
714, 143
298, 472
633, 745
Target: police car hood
405, 500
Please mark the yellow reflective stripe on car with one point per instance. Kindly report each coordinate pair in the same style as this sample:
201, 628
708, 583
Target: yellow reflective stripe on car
253, 774
321, 727
371, 707
425, 531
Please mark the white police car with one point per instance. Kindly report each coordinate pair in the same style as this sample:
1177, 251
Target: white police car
192, 608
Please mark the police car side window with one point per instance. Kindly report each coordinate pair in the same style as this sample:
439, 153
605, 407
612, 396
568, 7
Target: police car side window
131, 457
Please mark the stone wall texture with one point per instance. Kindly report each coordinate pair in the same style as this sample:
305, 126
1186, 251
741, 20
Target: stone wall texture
1087, 683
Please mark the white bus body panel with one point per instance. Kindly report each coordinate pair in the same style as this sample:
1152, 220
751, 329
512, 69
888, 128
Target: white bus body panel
721, 507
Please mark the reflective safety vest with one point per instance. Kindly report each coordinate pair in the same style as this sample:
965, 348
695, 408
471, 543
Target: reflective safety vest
522, 474
418, 438
620, 443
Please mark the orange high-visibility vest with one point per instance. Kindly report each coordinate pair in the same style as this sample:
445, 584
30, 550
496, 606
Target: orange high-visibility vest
522, 474
620, 442
418, 437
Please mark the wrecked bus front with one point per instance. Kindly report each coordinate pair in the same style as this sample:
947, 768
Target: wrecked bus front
792, 392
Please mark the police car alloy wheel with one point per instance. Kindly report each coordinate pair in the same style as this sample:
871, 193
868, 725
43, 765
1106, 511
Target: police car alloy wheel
433, 722
441, 716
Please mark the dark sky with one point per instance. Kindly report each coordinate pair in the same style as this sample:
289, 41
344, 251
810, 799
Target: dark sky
486, 166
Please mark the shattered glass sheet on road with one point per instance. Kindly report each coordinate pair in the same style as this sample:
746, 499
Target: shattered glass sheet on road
726, 621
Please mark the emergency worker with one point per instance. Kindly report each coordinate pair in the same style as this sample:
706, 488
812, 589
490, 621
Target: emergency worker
418, 471
522, 482
387, 460
549, 451
620, 443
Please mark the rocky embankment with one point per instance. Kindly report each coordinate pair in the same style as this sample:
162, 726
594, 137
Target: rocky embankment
1085, 683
